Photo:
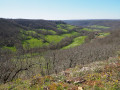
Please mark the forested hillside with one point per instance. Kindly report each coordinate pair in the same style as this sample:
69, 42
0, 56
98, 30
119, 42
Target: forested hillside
16, 34
42, 47
25, 35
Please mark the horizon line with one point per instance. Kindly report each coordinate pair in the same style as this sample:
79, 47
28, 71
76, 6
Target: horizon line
56, 19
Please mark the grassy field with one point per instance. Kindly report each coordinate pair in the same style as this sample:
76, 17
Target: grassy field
89, 29
57, 38
100, 27
54, 38
102, 35
76, 42
53, 32
33, 42
95, 28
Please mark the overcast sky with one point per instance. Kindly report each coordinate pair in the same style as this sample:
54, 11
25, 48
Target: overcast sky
60, 9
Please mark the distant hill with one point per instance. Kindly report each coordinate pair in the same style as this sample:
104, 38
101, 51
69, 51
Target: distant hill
36, 24
8, 32
33, 34
27, 33
10, 29
108, 23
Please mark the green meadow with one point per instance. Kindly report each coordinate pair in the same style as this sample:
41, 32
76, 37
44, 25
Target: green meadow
76, 42
33, 42
57, 38
100, 27
102, 35
89, 29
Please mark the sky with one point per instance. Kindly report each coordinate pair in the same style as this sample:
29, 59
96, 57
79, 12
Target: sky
60, 9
